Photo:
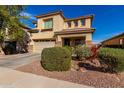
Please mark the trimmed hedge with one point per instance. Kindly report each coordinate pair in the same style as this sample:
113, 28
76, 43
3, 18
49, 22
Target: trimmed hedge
112, 58
56, 59
82, 52
69, 48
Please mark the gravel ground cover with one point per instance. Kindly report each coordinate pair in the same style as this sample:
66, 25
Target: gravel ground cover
84, 76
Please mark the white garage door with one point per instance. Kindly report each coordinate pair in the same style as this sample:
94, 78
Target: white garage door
38, 46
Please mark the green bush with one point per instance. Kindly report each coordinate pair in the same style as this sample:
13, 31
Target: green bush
82, 52
56, 59
69, 48
112, 58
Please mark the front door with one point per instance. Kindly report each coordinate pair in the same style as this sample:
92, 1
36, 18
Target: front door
66, 42
73, 42
78, 42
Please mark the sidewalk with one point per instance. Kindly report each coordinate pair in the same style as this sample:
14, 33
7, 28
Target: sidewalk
11, 78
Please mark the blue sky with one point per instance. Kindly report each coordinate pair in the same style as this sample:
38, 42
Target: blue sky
108, 20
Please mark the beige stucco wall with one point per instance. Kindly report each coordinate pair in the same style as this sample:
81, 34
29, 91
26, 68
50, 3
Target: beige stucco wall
58, 24
43, 35
88, 36
87, 24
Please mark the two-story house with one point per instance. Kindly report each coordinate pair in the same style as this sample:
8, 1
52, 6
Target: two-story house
53, 29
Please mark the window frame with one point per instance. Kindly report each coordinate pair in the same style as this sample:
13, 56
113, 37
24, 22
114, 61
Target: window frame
83, 22
76, 23
69, 24
48, 20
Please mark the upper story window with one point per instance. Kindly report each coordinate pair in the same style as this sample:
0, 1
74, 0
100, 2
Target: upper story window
75, 23
83, 22
48, 24
69, 24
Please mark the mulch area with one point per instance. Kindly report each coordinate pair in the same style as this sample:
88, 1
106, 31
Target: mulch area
87, 77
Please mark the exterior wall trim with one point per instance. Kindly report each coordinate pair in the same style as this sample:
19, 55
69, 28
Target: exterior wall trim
74, 32
85, 17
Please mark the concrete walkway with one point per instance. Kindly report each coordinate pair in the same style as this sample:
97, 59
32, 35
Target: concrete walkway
17, 60
11, 78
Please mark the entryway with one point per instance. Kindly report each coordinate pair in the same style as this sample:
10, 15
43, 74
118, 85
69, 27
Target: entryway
73, 41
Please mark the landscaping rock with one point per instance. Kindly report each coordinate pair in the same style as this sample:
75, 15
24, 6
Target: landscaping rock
96, 63
85, 77
82, 70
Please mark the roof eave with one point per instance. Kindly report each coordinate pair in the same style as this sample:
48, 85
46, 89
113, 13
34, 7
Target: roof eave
50, 14
87, 16
74, 32
113, 37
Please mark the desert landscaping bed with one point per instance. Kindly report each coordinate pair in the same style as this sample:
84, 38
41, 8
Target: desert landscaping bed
83, 76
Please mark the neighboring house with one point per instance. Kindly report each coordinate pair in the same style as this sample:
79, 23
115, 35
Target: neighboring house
25, 44
53, 29
115, 42
12, 47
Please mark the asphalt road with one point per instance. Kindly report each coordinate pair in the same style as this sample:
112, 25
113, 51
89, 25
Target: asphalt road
14, 61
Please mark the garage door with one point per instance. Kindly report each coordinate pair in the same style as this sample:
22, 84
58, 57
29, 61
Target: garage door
40, 45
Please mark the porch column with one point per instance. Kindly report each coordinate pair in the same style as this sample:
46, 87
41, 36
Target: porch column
79, 23
72, 24
58, 41
65, 25
88, 40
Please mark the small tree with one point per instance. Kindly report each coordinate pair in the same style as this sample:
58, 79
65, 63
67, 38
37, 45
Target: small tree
10, 18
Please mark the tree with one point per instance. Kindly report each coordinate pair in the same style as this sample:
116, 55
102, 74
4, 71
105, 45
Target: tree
10, 19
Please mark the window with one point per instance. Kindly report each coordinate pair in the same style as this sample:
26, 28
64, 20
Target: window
48, 24
78, 42
121, 41
69, 24
75, 23
83, 22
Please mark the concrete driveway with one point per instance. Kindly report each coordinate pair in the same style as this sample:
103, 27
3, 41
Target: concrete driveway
14, 61
12, 78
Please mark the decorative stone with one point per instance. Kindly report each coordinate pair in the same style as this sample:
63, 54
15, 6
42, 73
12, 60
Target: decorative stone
96, 63
82, 70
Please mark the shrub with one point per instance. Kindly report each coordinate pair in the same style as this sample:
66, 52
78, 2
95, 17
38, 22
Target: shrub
112, 58
56, 59
82, 52
69, 48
